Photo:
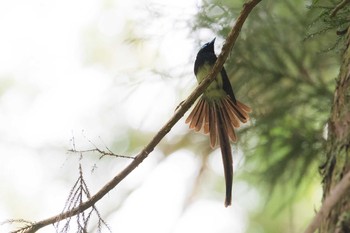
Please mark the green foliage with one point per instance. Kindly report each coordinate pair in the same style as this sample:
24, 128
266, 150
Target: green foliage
289, 85
288, 81
330, 20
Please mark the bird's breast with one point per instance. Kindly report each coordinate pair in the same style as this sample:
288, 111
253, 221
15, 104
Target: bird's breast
215, 90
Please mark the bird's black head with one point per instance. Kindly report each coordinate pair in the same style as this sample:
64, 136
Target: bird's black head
208, 47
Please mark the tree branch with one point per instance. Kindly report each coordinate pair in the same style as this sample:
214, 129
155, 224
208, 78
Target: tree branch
341, 5
184, 106
332, 199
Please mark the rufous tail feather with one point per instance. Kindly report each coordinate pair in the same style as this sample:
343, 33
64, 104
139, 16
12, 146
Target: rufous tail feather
203, 117
220, 118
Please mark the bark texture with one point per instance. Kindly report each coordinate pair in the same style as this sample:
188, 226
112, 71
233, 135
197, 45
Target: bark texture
337, 150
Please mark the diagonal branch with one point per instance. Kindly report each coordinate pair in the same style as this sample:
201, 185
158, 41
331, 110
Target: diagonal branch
231, 39
328, 204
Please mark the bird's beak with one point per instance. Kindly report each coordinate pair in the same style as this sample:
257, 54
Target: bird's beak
213, 41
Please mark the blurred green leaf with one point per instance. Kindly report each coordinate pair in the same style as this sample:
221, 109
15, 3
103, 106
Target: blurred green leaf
288, 81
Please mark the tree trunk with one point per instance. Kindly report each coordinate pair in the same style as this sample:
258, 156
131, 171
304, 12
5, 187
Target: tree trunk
337, 150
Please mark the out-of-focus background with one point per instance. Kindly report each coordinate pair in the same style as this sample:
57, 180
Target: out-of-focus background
108, 74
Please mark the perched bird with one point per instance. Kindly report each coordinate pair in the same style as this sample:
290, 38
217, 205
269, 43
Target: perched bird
217, 112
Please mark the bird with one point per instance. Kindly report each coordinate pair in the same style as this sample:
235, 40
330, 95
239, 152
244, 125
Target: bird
217, 112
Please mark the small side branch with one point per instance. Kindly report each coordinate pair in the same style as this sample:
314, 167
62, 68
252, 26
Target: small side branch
332, 199
341, 5
101, 152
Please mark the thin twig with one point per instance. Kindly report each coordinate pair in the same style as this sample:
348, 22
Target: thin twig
332, 199
231, 39
102, 152
341, 5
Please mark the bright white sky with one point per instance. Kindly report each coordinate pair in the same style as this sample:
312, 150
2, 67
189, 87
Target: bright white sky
51, 90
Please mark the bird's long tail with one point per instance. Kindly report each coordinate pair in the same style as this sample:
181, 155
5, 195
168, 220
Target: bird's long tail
220, 118
226, 152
